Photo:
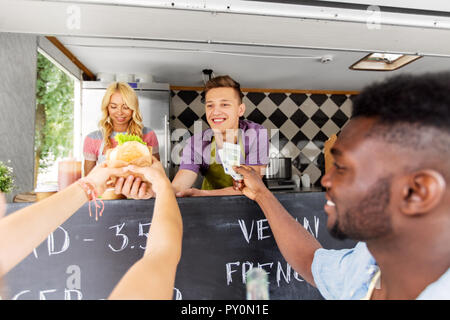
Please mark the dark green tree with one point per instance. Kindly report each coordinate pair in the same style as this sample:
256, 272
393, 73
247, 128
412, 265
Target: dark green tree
54, 114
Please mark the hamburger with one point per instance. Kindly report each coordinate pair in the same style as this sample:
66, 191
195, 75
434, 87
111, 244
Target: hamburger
130, 150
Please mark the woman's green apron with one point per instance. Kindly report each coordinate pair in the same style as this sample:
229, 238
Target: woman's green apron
215, 177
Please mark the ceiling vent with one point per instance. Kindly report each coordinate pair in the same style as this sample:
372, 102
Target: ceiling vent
383, 62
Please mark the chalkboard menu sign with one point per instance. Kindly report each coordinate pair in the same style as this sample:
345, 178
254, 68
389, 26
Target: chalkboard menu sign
223, 238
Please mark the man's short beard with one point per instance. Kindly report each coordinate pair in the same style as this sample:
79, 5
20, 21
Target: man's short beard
337, 233
370, 218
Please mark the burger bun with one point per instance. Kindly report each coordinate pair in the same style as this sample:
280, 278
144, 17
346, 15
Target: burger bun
129, 153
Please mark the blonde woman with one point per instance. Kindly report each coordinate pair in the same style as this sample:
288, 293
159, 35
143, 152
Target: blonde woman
120, 114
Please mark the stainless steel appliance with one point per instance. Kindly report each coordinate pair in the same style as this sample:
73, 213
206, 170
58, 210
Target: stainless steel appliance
279, 173
154, 103
279, 168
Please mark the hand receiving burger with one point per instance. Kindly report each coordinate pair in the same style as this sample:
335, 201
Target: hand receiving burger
130, 150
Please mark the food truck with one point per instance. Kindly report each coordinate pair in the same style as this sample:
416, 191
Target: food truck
299, 65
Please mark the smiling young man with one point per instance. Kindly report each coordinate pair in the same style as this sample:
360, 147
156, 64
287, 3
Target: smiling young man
389, 189
223, 108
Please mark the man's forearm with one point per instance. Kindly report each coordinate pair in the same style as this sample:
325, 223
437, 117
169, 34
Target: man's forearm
229, 191
295, 243
176, 187
184, 179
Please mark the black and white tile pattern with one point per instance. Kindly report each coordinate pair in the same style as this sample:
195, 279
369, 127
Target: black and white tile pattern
305, 121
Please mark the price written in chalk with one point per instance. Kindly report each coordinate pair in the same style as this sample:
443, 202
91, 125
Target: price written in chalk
122, 240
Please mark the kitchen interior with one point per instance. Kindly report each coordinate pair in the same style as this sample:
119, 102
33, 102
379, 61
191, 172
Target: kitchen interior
298, 63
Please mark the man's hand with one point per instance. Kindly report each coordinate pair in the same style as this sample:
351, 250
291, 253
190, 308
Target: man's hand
191, 192
252, 186
133, 188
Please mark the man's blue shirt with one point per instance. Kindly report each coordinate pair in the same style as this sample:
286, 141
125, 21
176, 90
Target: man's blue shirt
347, 273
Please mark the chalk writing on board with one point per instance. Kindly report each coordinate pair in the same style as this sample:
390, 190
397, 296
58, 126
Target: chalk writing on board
51, 247
51, 242
119, 228
67, 294
142, 233
123, 238
178, 295
262, 225
307, 226
71, 292
243, 267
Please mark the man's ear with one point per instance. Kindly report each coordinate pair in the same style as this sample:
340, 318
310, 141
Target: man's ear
241, 109
423, 192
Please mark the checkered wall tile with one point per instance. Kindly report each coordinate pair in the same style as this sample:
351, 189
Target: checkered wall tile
305, 121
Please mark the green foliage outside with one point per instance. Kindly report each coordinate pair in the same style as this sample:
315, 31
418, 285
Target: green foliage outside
6, 178
54, 114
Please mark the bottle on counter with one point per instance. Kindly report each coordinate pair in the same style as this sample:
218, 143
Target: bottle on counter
257, 284
69, 171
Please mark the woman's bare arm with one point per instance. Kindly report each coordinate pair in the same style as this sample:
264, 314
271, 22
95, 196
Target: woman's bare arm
25, 229
153, 276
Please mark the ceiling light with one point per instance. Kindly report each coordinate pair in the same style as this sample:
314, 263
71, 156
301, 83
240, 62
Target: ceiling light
383, 62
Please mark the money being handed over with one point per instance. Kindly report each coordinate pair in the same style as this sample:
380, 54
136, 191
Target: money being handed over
230, 155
